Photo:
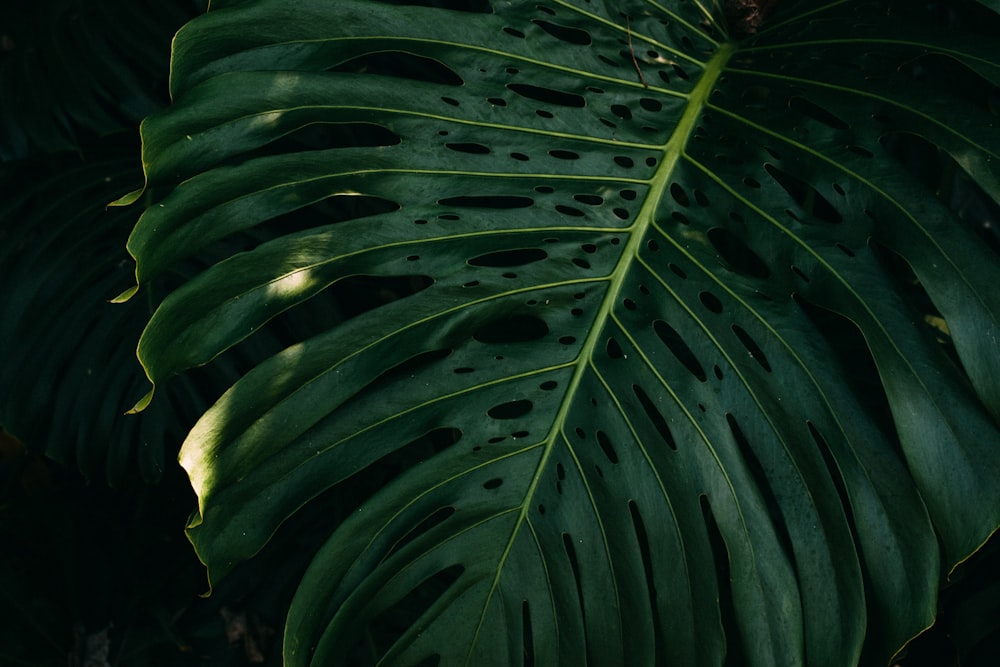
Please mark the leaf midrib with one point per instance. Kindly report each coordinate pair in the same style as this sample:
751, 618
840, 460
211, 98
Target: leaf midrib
673, 151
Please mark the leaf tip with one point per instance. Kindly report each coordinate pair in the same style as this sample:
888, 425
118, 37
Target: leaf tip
128, 199
126, 295
142, 404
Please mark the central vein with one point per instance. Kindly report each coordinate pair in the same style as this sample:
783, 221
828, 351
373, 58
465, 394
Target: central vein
673, 150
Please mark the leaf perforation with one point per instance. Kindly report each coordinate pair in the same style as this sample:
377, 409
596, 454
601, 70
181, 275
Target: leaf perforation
873, 318
860, 93
455, 168
867, 183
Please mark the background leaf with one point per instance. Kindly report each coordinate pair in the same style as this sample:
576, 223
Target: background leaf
671, 353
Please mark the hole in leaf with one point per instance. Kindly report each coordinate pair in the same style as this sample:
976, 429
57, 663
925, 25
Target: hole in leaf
614, 350
763, 485
569, 210
679, 348
642, 537
471, 6
514, 32
436, 518
520, 156
409, 367
547, 95
751, 345
650, 104
609, 450
737, 254
655, 417
359, 294
564, 155
400, 64
514, 329
805, 195
816, 112
624, 161
507, 258
317, 136
727, 610
591, 200
856, 365
527, 640
392, 624
510, 409
497, 101
475, 149
621, 111
575, 567
834, 470
566, 34
491, 484
488, 201
679, 195
711, 302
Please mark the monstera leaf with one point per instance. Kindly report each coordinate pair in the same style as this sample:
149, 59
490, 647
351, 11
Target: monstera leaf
676, 353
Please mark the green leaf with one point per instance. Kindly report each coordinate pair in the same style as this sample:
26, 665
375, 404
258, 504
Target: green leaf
674, 353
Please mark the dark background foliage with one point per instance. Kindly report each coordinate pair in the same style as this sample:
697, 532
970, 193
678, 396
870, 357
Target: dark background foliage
94, 565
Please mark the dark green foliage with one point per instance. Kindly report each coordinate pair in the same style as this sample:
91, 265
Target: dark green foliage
631, 313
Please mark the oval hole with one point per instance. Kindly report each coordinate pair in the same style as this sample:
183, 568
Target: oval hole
805, 195
816, 112
515, 329
547, 95
488, 201
679, 348
475, 149
751, 345
571, 35
654, 416
510, 409
401, 65
504, 258
737, 254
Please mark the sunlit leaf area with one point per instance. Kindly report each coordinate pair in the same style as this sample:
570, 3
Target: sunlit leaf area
502, 333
